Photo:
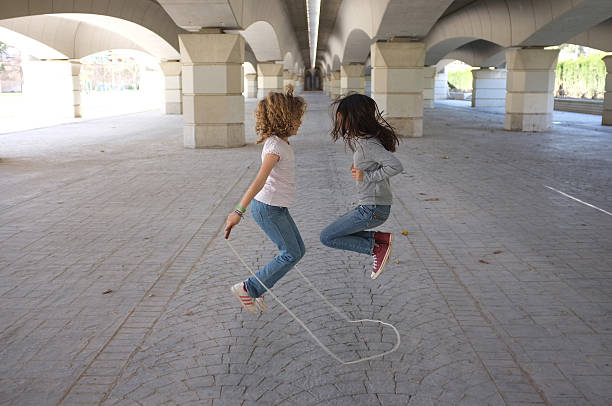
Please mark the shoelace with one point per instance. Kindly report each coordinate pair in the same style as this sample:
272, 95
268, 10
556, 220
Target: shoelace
344, 316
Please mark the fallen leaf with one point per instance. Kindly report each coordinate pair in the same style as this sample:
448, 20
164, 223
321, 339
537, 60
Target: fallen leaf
101, 150
444, 157
397, 261
189, 314
404, 232
486, 162
432, 199
483, 261
423, 194
497, 252
107, 291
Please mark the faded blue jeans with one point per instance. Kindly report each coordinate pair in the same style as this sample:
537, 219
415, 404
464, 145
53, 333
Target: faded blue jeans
277, 223
347, 232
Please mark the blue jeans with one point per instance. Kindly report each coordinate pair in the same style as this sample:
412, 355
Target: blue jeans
277, 223
347, 232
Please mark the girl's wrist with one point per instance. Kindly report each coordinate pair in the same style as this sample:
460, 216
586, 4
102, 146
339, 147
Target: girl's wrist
241, 209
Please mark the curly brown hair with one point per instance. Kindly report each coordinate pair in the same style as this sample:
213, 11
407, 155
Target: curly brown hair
277, 113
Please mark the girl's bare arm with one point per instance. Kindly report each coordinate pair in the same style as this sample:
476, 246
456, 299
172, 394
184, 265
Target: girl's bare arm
260, 180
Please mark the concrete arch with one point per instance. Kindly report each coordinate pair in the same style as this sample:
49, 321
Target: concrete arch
508, 24
77, 35
274, 13
263, 40
598, 37
356, 47
146, 13
249, 68
335, 63
480, 53
288, 62
354, 17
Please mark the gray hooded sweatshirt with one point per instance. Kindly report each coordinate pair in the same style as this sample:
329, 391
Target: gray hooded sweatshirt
378, 165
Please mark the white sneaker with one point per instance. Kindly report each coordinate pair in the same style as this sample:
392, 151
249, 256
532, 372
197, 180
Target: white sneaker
243, 297
261, 304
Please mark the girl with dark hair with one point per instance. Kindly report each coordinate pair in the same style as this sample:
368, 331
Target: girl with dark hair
359, 123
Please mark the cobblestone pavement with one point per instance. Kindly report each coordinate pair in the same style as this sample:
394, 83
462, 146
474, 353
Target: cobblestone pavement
501, 288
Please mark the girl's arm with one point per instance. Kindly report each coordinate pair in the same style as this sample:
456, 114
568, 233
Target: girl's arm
260, 180
389, 165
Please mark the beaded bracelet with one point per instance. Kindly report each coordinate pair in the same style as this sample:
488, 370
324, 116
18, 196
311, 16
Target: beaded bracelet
238, 212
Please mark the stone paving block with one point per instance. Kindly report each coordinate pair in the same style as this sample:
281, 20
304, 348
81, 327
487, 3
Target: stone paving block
524, 328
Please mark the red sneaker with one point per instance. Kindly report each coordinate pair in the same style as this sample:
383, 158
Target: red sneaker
381, 255
383, 238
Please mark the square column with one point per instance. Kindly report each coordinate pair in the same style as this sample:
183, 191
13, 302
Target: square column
441, 86
335, 84
489, 87
75, 68
352, 78
52, 88
606, 118
530, 86
429, 74
173, 103
368, 84
397, 84
269, 78
251, 85
212, 81
326, 85
287, 78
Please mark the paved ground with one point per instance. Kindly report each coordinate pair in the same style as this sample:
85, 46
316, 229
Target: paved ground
502, 290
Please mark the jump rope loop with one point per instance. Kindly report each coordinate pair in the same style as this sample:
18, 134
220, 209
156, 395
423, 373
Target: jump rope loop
342, 314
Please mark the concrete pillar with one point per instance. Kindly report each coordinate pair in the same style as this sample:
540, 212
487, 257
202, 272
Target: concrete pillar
530, 86
352, 78
287, 78
606, 118
269, 78
251, 85
489, 87
368, 85
397, 84
429, 74
212, 82
441, 86
173, 103
335, 84
75, 70
326, 84
52, 88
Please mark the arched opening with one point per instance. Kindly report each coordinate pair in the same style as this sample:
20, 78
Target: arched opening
119, 82
308, 81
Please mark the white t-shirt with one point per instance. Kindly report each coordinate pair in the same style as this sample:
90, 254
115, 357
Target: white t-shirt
279, 189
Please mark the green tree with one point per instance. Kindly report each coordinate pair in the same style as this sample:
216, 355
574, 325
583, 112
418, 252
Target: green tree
3, 54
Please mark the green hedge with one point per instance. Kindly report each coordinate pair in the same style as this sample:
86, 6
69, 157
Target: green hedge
461, 79
584, 77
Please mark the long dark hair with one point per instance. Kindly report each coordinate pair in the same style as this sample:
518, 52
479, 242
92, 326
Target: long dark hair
357, 116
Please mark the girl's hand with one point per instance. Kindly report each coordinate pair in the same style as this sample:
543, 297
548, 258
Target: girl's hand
232, 220
356, 174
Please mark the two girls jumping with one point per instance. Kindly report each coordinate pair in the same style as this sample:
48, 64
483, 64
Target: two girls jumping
359, 123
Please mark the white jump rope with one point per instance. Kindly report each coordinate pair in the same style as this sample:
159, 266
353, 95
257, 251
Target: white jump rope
344, 316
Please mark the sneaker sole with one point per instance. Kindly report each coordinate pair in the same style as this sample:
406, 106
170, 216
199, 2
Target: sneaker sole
261, 305
236, 293
384, 262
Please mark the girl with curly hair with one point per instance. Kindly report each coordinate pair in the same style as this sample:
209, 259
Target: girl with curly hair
278, 117
359, 123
